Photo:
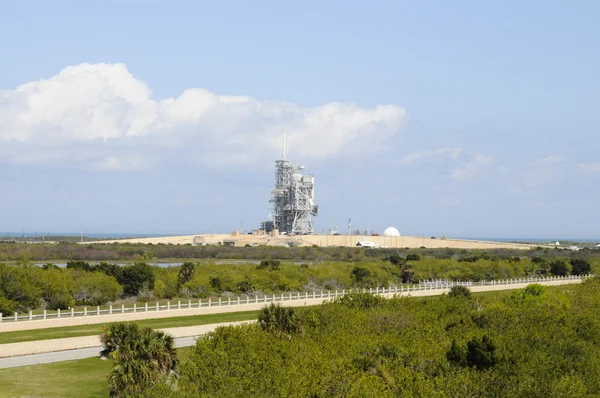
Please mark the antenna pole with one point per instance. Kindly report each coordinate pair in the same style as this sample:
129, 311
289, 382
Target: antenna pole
283, 145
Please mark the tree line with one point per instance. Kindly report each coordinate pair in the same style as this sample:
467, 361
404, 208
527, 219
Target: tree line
13, 251
24, 286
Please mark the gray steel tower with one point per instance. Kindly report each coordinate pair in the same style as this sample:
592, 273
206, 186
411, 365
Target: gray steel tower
292, 199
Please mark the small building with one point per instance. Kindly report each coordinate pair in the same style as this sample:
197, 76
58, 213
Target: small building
365, 244
199, 241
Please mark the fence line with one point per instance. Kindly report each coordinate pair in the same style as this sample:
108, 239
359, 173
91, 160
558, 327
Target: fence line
273, 298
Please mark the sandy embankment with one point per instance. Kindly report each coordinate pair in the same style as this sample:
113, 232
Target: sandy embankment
328, 240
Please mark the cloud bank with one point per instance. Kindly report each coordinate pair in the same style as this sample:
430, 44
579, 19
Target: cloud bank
100, 116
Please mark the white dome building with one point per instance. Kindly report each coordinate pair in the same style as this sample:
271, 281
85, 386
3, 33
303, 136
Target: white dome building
391, 231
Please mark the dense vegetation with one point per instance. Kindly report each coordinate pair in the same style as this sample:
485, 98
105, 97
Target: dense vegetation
145, 252
24, 286
533, 342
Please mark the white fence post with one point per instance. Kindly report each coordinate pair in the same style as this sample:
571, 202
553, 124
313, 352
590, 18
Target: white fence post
110, 309
122, 308
209, 302
30, 315
84, 311
72, 312
134, 308
228, 300
157, 306
247, 299
98, 310
169, 304
189, 304
146, 306
219, 301
314, 294
44, 314
16, 316
57, 313
178, 304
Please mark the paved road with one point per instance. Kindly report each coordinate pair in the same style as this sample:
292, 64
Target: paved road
70, 355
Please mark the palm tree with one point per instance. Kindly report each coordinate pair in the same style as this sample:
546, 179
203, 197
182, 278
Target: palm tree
186, 273
282, 320
142, 357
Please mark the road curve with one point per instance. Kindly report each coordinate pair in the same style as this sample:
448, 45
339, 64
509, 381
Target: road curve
70, 355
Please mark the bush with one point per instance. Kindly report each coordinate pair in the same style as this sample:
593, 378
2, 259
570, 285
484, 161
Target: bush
413, 257
479, 353
360, 300
278, 319
135, 277
80, 265
361, 276
271, 265
559, 267
459, 291
531, 292
396, 260
580, 266
95, 288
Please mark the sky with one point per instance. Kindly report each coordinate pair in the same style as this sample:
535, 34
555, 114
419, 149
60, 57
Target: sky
463, 119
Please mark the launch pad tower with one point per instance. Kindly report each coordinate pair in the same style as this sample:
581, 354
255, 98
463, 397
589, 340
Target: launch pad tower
292, 203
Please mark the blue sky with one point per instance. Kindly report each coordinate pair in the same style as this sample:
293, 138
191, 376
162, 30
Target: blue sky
465, 118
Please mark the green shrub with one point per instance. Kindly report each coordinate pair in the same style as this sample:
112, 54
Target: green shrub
279, 319
360, 300
580, 266
459, 291
559, 267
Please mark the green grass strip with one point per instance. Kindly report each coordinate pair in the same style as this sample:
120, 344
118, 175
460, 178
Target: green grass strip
78, 378
91, 330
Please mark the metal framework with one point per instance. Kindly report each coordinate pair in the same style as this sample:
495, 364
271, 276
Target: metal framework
292, 203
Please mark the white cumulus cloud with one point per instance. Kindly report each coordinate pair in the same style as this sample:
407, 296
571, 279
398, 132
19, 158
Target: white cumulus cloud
100, 116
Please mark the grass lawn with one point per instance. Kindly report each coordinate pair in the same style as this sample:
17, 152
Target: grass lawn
90, 330
79, 378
